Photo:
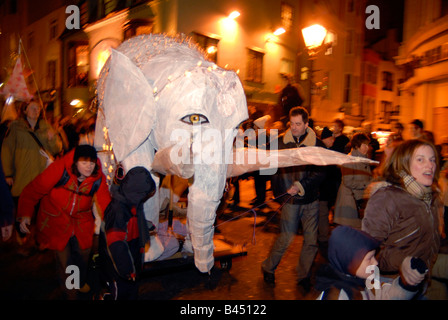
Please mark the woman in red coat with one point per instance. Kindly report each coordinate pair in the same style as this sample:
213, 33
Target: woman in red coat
66, 190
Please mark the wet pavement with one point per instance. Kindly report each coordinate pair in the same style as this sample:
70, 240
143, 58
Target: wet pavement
33, 277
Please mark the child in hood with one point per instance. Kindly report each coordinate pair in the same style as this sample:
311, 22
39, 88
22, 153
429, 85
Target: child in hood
348, 275
127, 230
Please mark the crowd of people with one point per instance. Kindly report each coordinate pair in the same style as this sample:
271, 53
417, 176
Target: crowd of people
391, 216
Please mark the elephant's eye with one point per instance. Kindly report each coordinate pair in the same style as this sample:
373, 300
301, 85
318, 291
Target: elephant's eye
195, 119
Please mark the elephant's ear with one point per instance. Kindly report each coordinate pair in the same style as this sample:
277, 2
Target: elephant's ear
128, 104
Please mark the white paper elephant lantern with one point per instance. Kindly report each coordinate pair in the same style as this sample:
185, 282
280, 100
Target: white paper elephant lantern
163, 106
153, 85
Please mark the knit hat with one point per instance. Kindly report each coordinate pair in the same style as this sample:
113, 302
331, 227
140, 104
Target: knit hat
326, 133
85, 151
347, 247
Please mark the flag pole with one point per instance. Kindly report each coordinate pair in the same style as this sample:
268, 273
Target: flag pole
32, 74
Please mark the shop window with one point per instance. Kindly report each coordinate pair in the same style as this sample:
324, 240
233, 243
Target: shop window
78, 64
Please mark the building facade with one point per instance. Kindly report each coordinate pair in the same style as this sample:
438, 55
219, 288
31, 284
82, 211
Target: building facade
423, 56
380, 89
67, 66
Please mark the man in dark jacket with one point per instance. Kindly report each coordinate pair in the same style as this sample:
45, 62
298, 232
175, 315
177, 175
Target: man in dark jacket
127, 230
302, 184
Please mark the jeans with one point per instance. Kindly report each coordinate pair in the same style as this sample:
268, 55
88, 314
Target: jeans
290, 217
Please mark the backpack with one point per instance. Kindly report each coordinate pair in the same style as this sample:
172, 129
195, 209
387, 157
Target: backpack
65, 177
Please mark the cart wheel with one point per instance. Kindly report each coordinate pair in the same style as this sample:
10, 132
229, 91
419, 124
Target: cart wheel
226, 264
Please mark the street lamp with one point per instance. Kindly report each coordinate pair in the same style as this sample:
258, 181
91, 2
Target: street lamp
233, 15
314, 37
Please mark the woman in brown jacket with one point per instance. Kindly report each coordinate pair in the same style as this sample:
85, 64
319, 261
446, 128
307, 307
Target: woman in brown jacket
403, 210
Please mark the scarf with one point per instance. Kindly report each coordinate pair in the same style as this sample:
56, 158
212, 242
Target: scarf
416, 189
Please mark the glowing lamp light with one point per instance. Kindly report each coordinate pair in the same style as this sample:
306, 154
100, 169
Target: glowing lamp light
74, 102
212, 50
234, 15
279, 31
314, 36
9, 100
102, 58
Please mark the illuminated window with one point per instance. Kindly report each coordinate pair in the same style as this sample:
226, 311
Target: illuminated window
137, 27
287, 16
286, 67
255, 66
208, 44
330, 40
78, 64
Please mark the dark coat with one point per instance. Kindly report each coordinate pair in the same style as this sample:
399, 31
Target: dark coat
310, 176
127, 230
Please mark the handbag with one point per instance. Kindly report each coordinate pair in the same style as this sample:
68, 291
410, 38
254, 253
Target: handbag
42, 150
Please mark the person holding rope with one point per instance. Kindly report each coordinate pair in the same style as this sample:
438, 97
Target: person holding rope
302, 183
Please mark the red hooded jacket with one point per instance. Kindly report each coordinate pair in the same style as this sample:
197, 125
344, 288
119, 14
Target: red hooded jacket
64, 210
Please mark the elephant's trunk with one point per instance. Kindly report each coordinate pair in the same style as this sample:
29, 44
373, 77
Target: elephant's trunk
206, 192
203, 199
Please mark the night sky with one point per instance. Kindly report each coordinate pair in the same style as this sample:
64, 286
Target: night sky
391, 16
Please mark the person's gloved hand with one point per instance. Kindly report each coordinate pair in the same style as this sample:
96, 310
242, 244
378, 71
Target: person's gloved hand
413, 271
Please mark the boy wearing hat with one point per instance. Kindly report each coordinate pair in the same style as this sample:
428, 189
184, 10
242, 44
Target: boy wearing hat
348, 276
